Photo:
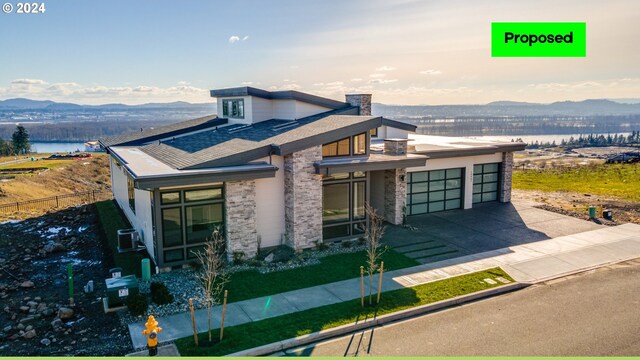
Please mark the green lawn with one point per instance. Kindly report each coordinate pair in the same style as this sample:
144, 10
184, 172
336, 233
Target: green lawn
251, 284
283, 327
111, 221
617, 180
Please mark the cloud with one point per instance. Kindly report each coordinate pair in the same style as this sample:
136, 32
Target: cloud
245, 83
29, 82
100, 94
430, 72
356, 79
377, 75
288, 86
385, 68
382, 81
235, 38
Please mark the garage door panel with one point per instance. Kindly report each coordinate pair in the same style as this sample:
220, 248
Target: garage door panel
486, 179
436, 190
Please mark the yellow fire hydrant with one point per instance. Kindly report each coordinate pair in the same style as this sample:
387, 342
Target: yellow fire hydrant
152, 330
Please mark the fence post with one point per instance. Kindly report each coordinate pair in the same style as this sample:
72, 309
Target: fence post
57, 204
17, 206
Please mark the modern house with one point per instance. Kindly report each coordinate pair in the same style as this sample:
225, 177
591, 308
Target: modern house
285, 167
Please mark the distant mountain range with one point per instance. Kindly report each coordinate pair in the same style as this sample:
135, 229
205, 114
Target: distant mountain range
495, 109
512, 108
28, 104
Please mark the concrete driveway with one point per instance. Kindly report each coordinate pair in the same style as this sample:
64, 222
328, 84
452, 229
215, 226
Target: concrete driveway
486, 227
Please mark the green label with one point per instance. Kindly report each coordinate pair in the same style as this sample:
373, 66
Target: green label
538, 39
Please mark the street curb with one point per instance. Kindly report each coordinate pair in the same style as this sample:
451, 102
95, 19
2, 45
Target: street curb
384, 319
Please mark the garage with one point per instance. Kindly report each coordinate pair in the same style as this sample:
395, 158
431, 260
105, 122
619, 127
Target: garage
435, 190
485, 182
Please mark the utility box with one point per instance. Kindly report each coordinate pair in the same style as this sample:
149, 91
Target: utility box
127, 240
607, 214
119, 289
115, 272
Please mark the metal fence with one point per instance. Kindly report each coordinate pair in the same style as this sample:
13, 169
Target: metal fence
60, 201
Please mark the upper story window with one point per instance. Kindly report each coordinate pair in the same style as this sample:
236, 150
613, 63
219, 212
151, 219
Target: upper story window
353, 145
373, 132
233, 108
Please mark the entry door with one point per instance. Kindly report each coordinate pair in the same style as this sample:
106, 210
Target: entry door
435, 190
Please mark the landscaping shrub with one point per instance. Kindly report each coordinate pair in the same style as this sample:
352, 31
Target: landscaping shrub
238, 257
160, 294
137, 304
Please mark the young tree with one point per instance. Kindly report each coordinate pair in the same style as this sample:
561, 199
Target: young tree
20, 139
373, 234
212, 276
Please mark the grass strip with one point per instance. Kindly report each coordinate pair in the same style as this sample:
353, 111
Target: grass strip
616, 180
251, 284
111, 221
288, 326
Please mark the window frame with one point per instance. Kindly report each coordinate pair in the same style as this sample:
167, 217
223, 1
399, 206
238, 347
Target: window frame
352, 151
227, 112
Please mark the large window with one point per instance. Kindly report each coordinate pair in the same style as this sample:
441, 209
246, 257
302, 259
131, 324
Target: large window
343, 199
436, 190
354, 145
131, 193
233, 108
486, 182
188, 219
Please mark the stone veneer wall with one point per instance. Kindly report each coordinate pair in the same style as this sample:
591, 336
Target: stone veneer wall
302, 199
395, 195
240, 218
363, 101
505, 176
395, 147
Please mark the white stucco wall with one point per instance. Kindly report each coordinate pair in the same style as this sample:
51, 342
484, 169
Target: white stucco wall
270, 205
466, 162
377, 190
258, 109
141, 220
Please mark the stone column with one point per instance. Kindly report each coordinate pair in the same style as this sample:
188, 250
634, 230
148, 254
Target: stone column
303, 199
240, 218
363, 101
505, 177
395, 146
395, 195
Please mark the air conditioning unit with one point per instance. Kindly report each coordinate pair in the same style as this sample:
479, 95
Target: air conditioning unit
127, 240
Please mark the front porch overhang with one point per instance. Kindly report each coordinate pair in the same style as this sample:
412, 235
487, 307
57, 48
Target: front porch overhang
189, 178
374, 162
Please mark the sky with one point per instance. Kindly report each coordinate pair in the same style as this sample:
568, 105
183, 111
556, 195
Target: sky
403, 52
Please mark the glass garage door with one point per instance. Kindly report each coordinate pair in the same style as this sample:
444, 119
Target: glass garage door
486, 182
436, 190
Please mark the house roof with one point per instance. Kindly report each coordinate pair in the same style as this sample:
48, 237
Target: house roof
279, 95
446, 147
152, 134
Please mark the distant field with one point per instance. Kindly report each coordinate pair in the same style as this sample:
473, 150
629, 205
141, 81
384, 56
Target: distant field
40, 164
620, 181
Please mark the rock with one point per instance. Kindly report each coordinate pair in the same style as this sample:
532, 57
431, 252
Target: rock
32, 304
20, 326
27, 284
47, 312
37, 298
45, 342
269, 258
29, 328
41, 307
7, 328
53, 247
56, 323
7, 309
30, 334
65, 313
24, 308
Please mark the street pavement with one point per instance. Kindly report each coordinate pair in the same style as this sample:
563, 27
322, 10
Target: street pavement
588, 314
530, 263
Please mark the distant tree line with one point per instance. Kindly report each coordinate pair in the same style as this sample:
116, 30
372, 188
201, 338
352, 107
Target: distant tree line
19, 143
592, 140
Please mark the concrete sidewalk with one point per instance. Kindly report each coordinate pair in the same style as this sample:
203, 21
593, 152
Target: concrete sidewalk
530, 263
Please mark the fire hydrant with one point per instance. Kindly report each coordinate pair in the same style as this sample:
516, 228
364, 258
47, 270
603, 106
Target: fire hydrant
152, 330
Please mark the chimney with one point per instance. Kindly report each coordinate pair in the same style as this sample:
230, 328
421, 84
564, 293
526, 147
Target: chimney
363, 101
